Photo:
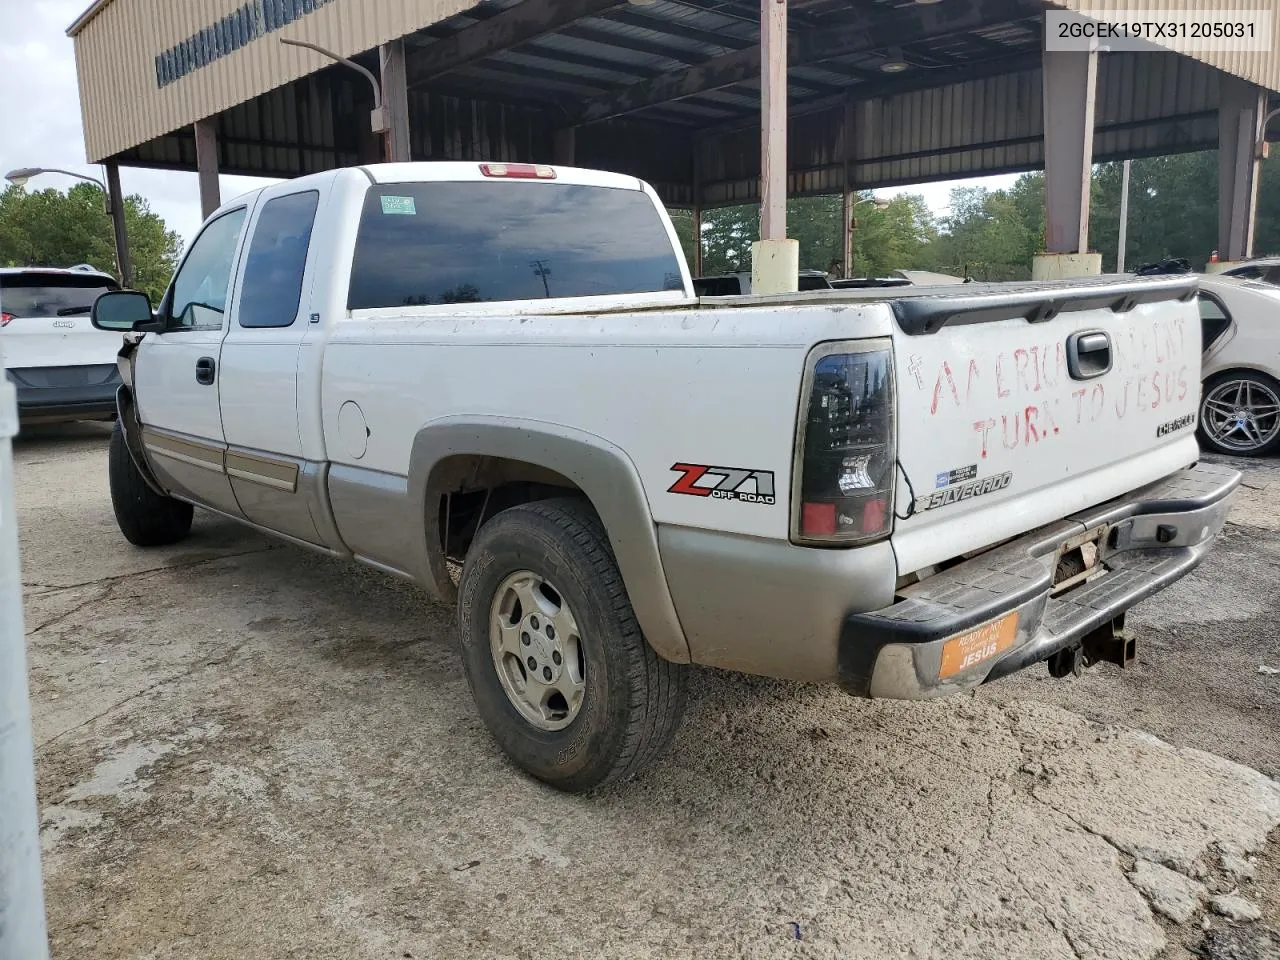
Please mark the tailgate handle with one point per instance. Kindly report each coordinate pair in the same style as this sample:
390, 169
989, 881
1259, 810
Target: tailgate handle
1088, 354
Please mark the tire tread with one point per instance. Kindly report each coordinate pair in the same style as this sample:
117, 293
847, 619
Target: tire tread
146, 518
656, 687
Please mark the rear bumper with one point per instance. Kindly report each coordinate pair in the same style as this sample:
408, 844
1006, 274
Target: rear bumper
1148, 539
49, 394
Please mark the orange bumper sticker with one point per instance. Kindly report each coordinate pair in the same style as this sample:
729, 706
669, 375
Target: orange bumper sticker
982, 643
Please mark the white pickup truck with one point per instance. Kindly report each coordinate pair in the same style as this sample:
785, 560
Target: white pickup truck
906, 492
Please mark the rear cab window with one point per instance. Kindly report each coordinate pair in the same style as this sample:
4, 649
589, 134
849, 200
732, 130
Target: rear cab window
475, 242
32, 294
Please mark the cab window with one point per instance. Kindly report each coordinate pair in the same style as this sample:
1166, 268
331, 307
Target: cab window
276, 260
199, 296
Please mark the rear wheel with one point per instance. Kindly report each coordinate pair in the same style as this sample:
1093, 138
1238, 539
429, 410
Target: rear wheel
560, 672
146, 518
1240, 414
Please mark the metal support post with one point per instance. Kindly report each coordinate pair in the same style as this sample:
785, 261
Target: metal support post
1070, 92
773, 119
115, 204
775, 260
207, 165
1240, 114
395, 98
1124, 217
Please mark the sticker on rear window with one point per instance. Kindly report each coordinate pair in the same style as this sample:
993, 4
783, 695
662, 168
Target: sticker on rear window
399, 205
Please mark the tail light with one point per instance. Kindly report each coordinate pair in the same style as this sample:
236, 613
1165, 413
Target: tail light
844, 471
5, 318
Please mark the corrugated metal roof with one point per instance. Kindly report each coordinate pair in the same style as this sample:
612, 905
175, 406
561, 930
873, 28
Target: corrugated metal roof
671, 73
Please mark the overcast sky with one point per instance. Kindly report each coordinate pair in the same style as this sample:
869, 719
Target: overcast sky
40, 118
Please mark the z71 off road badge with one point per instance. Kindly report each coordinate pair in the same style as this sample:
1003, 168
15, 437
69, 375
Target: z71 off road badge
724, 483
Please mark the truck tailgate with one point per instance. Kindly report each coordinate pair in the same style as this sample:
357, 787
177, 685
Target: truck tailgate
1019, 405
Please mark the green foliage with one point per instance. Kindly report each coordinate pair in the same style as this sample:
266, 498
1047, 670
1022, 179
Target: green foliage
49, 228
994, 234
882, 241
991, 234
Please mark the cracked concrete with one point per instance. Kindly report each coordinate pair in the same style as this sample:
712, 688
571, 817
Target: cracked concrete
1170, 893
246, 750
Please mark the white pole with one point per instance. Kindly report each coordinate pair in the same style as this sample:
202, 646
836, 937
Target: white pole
22, 929
1124, 217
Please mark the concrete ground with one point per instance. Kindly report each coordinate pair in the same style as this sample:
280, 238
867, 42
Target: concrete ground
247, 751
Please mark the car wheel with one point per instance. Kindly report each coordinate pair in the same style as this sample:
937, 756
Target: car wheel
1240, 414
559, 670
146, 518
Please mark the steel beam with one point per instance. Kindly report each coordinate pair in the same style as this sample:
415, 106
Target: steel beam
773, 119
863, 33
514, 26
564, 146
395, 100
207, 165
1070, 89
1240, 109
115, 200
886, 87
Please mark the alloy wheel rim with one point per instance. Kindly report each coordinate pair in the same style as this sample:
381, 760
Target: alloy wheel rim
1241, 415
537, 650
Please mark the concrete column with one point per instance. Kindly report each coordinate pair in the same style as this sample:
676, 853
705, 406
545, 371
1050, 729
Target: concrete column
1070, 88
565, 146
395, 100
1240, 110
207, 165
115, 200
775, 260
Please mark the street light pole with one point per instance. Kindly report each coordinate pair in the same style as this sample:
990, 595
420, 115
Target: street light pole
852, 224
113, 201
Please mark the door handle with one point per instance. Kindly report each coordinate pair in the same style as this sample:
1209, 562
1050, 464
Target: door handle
205, 368
1088, 354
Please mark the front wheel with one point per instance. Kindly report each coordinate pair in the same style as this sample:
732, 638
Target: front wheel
560, 672
1240, 414
146, 518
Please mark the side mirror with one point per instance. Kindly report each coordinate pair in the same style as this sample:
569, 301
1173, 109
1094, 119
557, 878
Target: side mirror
121, 310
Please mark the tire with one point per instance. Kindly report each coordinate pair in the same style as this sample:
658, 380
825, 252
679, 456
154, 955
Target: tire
146, 518
630, 700
1240, 414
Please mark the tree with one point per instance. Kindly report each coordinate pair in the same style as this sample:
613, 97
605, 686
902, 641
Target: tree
49, 228
884, 240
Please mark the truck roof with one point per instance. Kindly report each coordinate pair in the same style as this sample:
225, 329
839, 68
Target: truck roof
450, 171
476, 171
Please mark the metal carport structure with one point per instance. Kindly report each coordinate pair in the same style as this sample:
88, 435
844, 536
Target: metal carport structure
879, 93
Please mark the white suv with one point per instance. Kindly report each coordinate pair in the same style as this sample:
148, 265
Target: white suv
62, 367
